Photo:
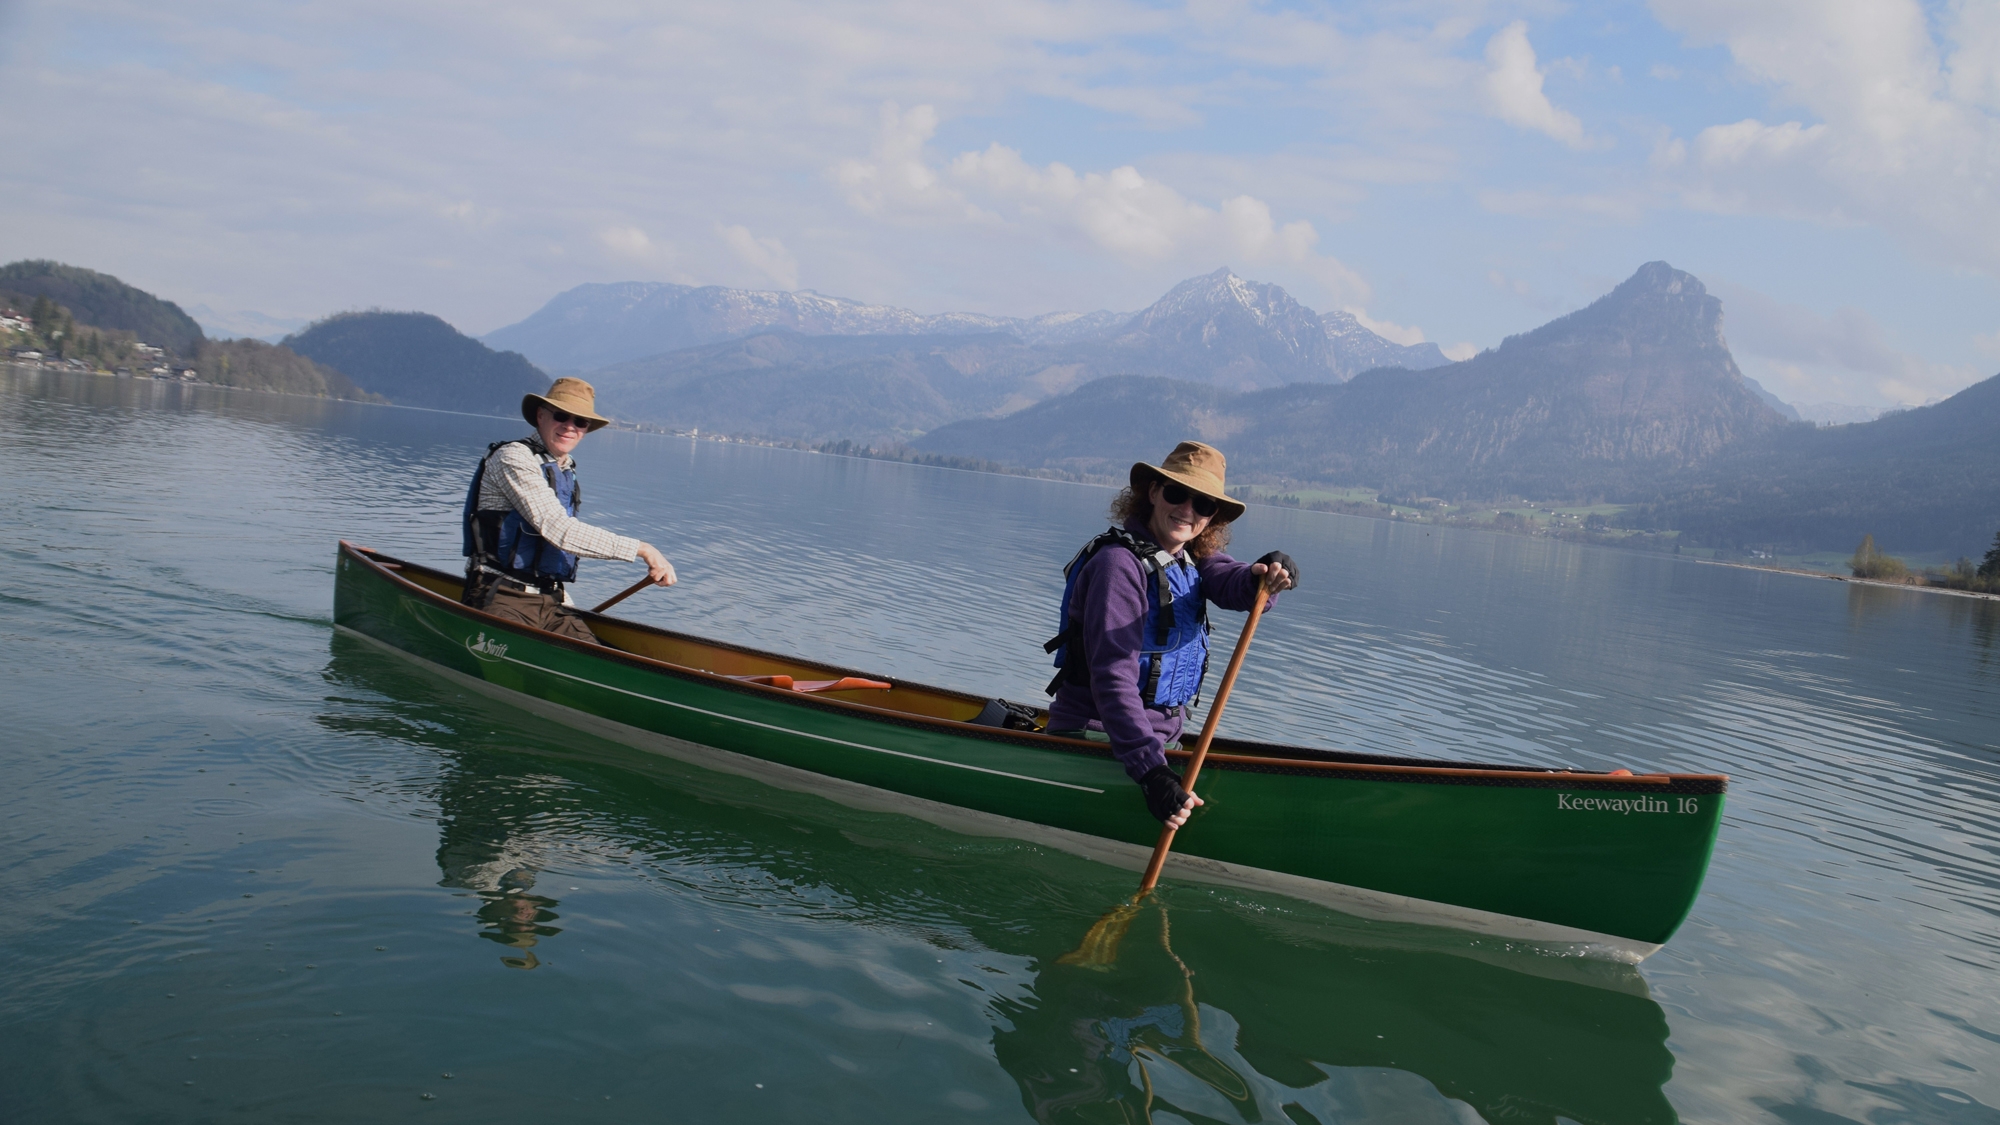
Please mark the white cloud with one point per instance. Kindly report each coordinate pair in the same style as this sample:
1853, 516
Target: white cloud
628, 242
1842, 357
767, 256
1388, 329
1460, 352
1906, 136
895, 180
1514, 88
1134, 218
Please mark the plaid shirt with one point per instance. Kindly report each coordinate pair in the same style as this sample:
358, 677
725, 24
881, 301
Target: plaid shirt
514, 482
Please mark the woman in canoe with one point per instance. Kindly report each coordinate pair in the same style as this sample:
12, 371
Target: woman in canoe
1133, 645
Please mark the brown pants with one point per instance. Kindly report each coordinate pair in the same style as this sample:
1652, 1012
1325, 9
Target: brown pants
539, 611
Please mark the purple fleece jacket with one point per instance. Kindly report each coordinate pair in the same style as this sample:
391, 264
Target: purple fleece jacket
1110, 602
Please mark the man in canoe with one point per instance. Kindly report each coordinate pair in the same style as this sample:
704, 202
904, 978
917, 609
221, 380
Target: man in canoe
1133, 645
522, 537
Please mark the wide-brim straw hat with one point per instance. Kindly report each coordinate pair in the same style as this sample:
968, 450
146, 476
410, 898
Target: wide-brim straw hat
1197, 466
571, 396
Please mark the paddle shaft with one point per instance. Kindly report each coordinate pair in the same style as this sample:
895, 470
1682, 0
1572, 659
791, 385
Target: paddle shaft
1207, 734
628, 592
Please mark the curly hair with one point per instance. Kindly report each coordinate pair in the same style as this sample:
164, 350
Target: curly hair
1137, 506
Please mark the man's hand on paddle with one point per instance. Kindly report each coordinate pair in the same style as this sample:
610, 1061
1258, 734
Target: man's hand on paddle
658, 568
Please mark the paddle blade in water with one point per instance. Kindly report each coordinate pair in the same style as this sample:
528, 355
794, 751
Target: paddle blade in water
1099, 948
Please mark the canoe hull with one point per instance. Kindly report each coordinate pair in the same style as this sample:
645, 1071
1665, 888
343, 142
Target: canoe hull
1582, 863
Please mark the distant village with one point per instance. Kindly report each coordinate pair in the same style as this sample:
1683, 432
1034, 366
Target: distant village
153, 361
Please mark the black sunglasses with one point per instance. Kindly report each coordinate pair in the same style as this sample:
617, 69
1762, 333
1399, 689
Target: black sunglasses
1178, 494
563, 418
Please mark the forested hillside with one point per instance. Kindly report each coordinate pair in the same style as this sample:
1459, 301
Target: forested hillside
415, 359
103, 301
112, 324
256, 365
1923, 480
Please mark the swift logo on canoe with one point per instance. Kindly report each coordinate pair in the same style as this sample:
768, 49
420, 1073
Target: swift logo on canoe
486, 649
1626, 806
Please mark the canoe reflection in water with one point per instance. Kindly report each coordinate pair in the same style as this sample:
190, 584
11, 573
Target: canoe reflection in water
1233, 1007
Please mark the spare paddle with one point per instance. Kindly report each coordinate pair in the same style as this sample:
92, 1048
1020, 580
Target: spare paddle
628, 592
1100, 946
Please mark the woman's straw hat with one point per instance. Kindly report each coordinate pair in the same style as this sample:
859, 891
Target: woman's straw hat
571, 396
1198, 466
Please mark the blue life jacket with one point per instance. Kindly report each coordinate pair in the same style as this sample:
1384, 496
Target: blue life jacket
505, 542
1174, 648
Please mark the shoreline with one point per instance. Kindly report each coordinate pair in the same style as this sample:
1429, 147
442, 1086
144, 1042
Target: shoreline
1923, 587
737, 439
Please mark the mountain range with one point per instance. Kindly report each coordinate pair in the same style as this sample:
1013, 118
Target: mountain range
1214, 328
1634, 399
594, 326
1639, 384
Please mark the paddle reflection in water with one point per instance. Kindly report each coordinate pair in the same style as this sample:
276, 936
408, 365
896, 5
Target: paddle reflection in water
1234, 1008
1278, 1014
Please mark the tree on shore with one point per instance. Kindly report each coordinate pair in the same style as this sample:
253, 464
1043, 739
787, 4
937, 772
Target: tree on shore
1989, 567
1868, 562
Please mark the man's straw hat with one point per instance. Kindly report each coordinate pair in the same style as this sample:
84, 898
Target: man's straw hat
1198, 466
571, 396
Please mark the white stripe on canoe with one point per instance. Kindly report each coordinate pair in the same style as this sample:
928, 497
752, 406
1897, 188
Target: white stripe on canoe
800, 733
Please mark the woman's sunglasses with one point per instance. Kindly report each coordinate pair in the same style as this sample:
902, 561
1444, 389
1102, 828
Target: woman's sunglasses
1177, 494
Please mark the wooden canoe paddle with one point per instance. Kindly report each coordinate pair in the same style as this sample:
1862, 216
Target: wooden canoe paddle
626, 593
1100, 946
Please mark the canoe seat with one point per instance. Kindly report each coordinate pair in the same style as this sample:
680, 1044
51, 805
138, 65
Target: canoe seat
845, 683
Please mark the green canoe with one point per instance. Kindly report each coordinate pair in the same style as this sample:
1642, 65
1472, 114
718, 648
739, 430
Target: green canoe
1577, 862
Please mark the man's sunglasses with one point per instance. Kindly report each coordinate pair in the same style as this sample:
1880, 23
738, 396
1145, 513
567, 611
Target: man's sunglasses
562, 418
1177, 494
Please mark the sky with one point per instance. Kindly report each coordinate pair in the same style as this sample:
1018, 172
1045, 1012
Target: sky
1449, 170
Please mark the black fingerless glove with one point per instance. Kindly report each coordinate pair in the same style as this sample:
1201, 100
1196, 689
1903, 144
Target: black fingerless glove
1284, 560
1164, 795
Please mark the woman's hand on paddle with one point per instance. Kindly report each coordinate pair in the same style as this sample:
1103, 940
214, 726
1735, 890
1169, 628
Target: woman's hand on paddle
1165, 798
658, 568
1180, 818
1277, 571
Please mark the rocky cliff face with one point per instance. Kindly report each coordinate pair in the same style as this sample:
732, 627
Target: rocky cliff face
1357, 348
1642, 374
1222, 330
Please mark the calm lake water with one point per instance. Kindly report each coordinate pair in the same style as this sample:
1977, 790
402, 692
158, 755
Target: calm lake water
258, 871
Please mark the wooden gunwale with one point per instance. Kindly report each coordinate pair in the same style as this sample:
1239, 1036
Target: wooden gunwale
1309, 763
